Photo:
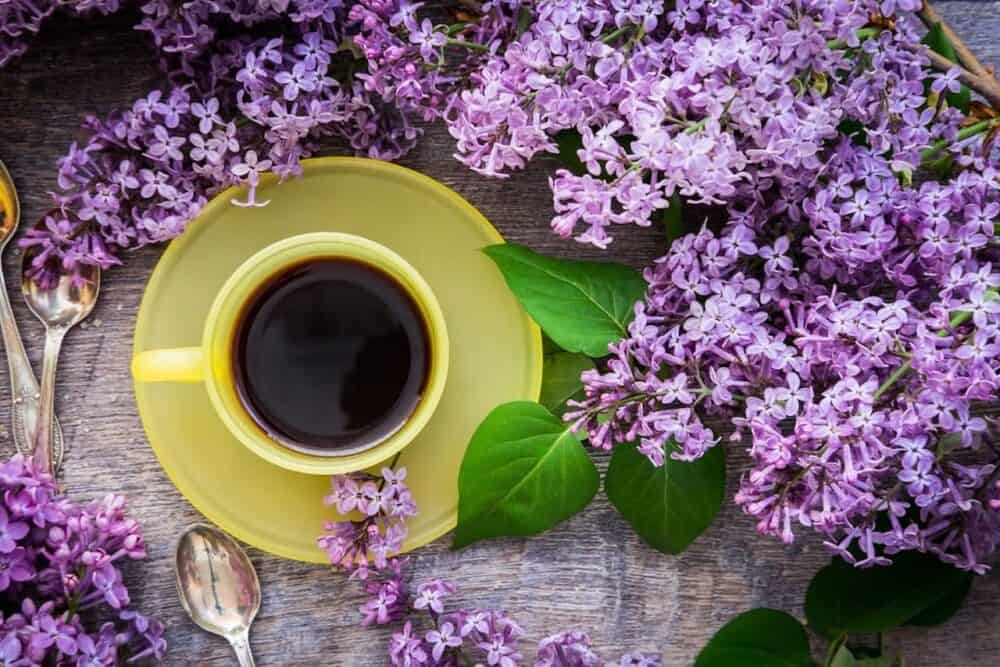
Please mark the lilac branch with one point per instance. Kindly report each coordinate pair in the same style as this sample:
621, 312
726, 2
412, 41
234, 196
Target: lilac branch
966, 56
984, 84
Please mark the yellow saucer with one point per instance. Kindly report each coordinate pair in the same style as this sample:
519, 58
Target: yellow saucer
496, 350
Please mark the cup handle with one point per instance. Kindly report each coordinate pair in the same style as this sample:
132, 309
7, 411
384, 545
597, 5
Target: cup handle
180, 364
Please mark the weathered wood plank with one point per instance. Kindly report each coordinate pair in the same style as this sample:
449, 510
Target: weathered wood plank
590, 573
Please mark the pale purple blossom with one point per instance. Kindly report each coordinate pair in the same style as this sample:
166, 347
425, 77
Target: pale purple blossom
233, 105
442, 639
432, 635
61, 584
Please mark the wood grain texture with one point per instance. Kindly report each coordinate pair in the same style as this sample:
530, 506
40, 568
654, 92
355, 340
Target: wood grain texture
591, 572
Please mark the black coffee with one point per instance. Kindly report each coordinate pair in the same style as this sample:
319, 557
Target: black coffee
331, 355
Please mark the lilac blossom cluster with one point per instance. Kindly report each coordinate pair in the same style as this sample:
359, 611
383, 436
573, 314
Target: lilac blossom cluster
844, 317
703, 100
59, 568
841, 308
235, 108
365, 547
20, 20
488, 637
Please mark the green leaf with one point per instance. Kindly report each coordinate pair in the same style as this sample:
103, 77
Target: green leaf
525, 18
945, 608
582, 306
844, 599
673, 219
561, 378
569, 142
548, 346
671, 505
842, 658
938, 42
524, 472
855, 130
880, 661
758, 638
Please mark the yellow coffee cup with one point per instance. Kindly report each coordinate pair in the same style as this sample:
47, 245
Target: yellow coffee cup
212, 361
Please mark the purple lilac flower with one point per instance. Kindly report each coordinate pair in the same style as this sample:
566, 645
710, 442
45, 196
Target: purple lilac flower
442, 639
20, 20
852, 359
640, 660
365, 547
431, 595
566, 649
232, 107
406, 649
837, 296
387, 595
11, 532
63, 572
15, 567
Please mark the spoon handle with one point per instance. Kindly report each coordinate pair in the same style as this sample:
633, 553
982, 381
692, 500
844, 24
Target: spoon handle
23, 385
241, 645
43, 436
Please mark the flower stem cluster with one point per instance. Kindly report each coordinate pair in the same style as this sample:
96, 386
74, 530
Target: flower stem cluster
431, 635
843, 317
234, 106
62, 597
839, 304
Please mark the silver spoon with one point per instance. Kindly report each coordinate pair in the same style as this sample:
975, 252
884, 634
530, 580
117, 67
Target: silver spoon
218, 586
59, 308
23, 385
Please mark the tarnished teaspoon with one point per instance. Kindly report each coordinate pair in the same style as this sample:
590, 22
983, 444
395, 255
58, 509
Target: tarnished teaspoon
218, 586
59, 307
23, 385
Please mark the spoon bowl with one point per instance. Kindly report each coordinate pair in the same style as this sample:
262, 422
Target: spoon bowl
10, 206
218, 586
65, 303
59, 305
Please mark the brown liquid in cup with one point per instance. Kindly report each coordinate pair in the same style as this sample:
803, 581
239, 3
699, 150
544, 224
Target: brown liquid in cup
331, 356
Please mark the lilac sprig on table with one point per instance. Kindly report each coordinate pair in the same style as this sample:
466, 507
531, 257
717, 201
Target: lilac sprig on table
20, 20
431, 636
838, 305
62, 597
847, 322
711, 101
237, 107
357, 546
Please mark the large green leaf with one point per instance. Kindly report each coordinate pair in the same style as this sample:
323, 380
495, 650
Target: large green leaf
842, 658
844, 599
671, 505
945, 608
582, 306
523, 473
561, 378
880, 661
569, 142
673, 219
938, 42
758, 638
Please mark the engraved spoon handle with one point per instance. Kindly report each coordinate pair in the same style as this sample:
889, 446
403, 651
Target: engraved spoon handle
241, 645
23, 385
22, 378
43, 445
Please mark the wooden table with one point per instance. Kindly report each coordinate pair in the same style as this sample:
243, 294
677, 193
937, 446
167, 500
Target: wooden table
591, 572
